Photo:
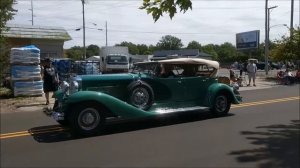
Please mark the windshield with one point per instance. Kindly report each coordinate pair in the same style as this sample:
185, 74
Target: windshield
114, 59
149, 68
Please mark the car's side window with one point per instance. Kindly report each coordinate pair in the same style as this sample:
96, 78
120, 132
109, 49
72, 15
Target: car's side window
204, 70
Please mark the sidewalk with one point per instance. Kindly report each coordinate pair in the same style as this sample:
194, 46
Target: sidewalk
24, 104
261, 83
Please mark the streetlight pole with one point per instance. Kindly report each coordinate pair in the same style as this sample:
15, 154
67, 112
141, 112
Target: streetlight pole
106, 33
267, 38
83, 20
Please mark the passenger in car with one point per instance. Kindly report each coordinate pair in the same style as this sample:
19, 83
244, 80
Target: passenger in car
166, 71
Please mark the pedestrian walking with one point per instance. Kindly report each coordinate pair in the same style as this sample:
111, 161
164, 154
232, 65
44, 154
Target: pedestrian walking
251, 69
50, 78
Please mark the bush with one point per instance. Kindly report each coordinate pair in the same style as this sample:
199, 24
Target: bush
5, 92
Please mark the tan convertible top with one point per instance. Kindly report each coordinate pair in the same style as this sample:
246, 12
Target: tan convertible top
214, 64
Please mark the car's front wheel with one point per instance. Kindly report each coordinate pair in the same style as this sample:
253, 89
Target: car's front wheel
221, 104
87, 118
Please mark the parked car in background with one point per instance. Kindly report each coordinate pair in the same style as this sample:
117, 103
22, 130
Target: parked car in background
87, 102
275, 65
261, 66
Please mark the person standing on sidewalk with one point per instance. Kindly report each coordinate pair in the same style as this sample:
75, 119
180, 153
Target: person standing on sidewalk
251, 69
50, 79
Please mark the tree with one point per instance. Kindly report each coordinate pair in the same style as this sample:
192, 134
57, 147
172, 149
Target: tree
6, 13
209, 49
133, 49
143, 49
194, 45
287, 48
158, 7
92, 50
169, 42
75, 53
226, 52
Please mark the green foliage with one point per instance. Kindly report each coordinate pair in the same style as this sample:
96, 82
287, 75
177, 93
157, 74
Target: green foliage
75, 53
158, 7
169, 42
287, 48
143, 49
5, 92
194, 45
92, 50
209, 49
226, 52
133, 49
6, 13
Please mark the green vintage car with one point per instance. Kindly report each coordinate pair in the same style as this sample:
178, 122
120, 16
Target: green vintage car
87, 102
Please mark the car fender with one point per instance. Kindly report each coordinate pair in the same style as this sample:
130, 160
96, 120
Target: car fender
216, 88
114, 105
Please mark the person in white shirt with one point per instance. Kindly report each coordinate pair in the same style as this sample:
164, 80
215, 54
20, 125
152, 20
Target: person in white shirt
251, 69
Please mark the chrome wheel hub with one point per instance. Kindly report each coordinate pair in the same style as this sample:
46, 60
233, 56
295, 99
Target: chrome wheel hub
88, 119
140, 97
221, 103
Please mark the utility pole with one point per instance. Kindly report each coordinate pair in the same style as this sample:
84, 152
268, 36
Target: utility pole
106, 33
31, 13
292, 19
83, 20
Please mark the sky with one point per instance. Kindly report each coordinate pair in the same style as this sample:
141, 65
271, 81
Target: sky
210, 21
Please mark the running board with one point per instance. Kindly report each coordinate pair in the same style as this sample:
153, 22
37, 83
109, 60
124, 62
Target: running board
176, 110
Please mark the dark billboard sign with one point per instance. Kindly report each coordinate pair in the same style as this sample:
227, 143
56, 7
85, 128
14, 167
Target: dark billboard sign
247, 40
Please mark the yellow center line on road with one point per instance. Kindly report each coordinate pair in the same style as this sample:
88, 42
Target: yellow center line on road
265, 102
59, 129
35, 132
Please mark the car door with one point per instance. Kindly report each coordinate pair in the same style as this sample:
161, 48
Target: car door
169, 88
196, 86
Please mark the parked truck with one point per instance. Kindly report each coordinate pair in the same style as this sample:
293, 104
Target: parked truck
114, 59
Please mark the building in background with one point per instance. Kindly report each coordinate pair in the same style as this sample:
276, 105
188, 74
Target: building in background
50, 40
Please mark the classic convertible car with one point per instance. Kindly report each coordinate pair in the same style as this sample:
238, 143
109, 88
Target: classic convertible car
87, 102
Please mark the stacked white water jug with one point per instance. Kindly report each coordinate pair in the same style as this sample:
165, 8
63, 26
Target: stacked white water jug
26, 71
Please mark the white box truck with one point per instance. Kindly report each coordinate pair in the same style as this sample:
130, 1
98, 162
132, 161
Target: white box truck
115, 59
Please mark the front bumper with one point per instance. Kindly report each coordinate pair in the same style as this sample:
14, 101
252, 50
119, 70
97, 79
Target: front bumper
58, 116
55, 112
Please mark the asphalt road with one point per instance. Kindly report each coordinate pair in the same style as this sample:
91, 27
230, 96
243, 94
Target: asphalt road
261, 132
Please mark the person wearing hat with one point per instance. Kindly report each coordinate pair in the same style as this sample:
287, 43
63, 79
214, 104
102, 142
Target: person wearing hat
50, 78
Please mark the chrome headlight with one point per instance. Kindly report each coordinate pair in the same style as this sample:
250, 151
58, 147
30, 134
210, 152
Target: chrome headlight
65, 87
74, 86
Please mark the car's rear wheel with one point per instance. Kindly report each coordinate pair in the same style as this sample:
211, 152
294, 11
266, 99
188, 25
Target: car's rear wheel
141, 95
87, 118
221, 104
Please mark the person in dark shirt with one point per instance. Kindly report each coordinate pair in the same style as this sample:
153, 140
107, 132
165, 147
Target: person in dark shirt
50, 79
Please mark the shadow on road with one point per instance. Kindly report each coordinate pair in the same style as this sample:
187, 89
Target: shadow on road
55, 133
279, 146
